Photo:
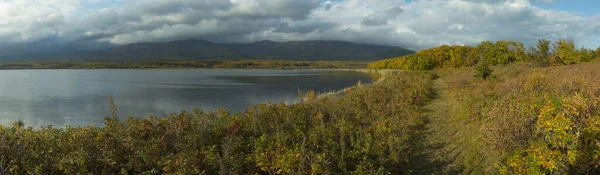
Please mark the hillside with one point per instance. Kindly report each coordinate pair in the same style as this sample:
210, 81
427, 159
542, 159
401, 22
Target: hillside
195, 50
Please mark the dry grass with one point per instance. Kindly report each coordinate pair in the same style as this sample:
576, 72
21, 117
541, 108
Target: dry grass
497, 118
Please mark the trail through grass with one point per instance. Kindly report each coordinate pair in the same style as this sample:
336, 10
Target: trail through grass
435, 153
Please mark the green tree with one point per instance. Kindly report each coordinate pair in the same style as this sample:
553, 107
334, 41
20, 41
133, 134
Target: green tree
485, 49
472, 56
517, 51
500, 53
565, 52
458, 56
586, 55
541, 54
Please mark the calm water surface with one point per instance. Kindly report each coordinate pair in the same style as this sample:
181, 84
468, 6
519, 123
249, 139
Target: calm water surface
81, 97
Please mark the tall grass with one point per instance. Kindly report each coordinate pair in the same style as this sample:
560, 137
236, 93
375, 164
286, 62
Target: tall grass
370, 130
527, 120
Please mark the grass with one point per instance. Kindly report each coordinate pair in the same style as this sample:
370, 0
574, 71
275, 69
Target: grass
503, 125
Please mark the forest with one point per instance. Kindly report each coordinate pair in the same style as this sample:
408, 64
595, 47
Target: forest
496, 108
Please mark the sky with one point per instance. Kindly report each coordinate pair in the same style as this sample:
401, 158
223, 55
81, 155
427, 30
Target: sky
414, 24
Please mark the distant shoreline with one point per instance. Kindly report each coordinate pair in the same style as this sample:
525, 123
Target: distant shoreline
187, 65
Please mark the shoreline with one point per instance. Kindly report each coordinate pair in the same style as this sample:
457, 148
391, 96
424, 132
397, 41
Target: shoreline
185, 69
340, 93
301, 98
188, 65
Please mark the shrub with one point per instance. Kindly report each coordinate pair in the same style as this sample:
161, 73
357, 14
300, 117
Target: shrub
586, 55
528, 121
483, 70
567, 143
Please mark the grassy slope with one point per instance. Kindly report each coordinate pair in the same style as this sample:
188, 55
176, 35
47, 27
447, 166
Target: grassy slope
500, 125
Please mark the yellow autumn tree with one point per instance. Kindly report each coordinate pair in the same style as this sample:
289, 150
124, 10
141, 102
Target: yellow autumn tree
565, 51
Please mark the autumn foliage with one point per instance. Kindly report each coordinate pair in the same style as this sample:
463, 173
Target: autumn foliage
561, 52
527, 120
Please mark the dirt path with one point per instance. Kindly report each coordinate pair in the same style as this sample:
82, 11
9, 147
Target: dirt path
434, 154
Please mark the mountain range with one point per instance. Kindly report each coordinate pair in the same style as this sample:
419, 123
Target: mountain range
206, 50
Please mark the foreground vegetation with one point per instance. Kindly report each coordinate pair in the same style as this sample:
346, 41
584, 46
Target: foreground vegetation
371, 130
525, 120
228, 64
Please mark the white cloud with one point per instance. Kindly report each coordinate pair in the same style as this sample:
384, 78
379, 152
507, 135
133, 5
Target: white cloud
416, 24
431, 23
31, 20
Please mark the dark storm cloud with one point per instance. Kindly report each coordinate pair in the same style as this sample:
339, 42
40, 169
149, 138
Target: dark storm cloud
382, 18
140, 21
305, 27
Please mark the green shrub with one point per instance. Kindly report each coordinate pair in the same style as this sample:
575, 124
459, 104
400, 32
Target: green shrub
483, 70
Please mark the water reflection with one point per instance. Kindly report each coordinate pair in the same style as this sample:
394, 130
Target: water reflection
80, 97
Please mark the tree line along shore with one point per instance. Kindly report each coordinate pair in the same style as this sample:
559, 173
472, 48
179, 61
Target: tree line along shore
543, 53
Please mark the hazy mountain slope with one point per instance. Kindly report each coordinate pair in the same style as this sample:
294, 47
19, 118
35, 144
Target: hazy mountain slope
205, 50
317, 50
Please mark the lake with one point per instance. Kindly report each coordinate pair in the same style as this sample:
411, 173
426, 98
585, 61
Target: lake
81, 97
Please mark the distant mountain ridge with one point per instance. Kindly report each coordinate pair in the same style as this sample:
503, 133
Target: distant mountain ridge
205, 50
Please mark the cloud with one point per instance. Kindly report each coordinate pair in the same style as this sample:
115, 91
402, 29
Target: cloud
424, 24
270, 8
378, 19
164, 20
32, 20
413, 24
